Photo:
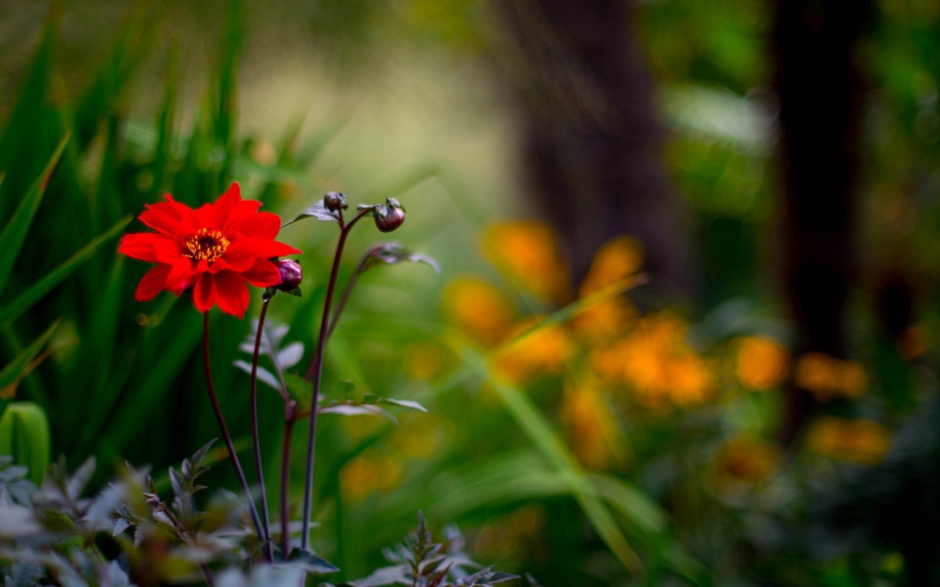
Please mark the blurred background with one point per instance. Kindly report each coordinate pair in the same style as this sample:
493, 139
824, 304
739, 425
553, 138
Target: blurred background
683, 329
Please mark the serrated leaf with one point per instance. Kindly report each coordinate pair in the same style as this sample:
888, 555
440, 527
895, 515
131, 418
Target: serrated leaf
397, 575
351, 409
344, 388
392, 253
80, 478
262, 374
404, 403
200, 455
113, 575
176, 482
299, 390
291, 354
311, 562
317, 211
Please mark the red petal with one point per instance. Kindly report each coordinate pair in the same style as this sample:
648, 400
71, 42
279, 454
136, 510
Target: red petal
263, 274
181, 275
165, 217
262, 225
224, 207
268, 248
150, 247
204, 293
232, 293
152, 283
239, 256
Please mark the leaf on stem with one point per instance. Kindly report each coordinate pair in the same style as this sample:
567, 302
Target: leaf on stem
318, 211
392, 253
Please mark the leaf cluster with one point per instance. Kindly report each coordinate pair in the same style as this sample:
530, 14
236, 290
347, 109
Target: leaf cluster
420, 561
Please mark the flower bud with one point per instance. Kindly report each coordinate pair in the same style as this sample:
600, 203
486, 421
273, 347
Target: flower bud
291, 274
335, 201
390, 216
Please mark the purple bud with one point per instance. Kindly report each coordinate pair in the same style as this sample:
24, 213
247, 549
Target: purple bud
335, 201
390, 216
291, 274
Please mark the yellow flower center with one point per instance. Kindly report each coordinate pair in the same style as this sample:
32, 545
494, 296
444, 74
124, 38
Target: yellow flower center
207, 243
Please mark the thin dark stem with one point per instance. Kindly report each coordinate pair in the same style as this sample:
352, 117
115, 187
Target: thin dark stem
290, 418
221, 420
207, 574
315, 372
256, 438
344, 297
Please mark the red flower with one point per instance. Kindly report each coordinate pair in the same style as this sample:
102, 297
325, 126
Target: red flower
214, 249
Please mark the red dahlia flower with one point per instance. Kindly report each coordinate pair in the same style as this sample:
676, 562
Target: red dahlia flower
215, 249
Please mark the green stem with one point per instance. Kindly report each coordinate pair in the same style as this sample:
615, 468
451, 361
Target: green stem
256, 441
221, 420
315, 372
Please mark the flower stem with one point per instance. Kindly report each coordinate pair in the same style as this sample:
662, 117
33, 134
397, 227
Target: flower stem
290, 418
315, 372
255, 438
221, 420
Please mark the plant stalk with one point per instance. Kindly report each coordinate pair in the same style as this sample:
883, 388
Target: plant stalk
256, 439
315, 372
290, 418
222, 426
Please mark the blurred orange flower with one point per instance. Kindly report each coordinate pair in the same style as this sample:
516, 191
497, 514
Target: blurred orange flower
827, 377
618, 259
591, 426
544, 350
858, 441
528, 252
761, 362
656, 362
476, 307
367, 474
606, 320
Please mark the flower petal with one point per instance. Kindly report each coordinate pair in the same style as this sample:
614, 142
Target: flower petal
263, 274
267, 248
224, 207
232, 293
152, 283
150, 247
165, 217
204, 292
260, 225
181, 276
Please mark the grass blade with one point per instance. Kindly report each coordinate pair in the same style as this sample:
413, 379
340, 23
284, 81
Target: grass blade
14, 234
25, 300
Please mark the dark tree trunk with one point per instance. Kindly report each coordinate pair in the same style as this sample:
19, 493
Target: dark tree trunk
820, 95
591, 148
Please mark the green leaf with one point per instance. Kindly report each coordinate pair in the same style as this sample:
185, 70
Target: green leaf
526, 414
25, 300
15, 370
411, 405
14, 234
317, 211
311, 562
392, 253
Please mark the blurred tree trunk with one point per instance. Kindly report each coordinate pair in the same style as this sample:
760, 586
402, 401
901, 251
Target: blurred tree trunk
590, 144
820, 95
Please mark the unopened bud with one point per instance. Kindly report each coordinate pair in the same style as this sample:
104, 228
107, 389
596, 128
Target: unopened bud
291, 274
335, 201
390, 216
